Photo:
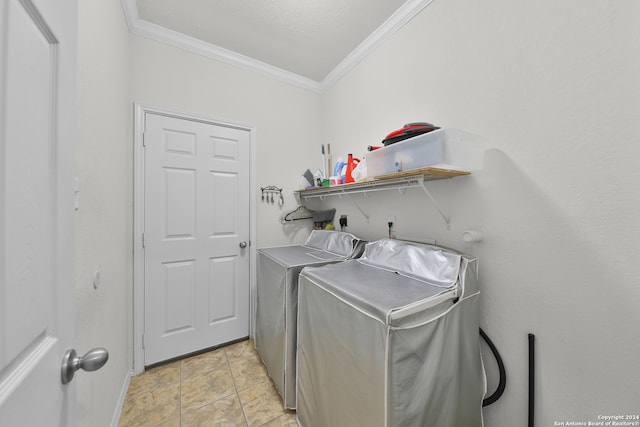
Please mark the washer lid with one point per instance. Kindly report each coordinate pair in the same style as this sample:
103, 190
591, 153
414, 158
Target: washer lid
433, 264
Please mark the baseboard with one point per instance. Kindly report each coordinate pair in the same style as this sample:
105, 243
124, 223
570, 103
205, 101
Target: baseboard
123, 395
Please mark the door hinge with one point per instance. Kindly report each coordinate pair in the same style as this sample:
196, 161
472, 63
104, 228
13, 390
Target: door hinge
144, 142
143, 346
143, 244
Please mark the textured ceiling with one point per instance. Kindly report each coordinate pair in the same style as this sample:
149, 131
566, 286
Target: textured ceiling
306, 37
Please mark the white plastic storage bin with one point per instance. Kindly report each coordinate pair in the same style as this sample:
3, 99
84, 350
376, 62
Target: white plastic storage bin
413, 153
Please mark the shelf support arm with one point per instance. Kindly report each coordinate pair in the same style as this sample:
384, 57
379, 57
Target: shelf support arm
426, 190
357, 206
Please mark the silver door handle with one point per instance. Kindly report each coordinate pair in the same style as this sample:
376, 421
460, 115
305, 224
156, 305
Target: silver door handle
92, 361
243, 244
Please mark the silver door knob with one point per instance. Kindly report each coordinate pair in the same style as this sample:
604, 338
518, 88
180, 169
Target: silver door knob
92, 361
243, 244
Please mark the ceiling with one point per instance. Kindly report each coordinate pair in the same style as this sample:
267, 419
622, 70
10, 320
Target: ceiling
311, 43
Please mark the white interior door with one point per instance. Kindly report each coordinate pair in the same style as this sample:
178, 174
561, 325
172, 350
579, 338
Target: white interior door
196, 234
37, 126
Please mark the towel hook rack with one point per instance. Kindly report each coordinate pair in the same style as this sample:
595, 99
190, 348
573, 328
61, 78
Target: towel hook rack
268, 193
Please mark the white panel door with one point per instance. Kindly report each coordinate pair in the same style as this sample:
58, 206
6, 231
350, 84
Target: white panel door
196, 222
37, 126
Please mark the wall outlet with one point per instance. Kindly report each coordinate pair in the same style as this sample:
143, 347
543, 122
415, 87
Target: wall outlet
391, 226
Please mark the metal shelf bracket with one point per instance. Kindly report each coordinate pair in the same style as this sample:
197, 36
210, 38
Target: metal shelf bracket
435, 203
358, 207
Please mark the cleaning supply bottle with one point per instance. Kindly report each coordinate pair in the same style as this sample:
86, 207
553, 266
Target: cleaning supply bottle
337, 170
351, 164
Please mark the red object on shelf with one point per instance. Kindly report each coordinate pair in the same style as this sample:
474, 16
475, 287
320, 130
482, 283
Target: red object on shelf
407, 131
351, 164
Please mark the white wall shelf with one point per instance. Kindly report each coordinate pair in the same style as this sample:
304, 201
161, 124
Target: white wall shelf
396, 181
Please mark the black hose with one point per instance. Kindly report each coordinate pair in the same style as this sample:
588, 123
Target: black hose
531, 377
503, 374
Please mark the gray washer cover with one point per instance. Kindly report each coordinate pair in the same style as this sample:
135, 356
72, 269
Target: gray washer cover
277, 300
377, 347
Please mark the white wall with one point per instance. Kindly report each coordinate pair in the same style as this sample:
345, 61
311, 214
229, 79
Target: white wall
104, 220
553, 89
286, 118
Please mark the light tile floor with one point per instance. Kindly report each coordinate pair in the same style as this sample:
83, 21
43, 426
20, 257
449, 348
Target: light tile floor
226, 387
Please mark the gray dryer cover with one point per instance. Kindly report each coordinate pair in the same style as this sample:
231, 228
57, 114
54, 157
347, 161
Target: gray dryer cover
390, 339
277, 299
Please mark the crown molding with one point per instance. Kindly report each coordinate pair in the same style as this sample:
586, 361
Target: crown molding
130, 9
147, 29
182, 41
179, 40
396, 21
